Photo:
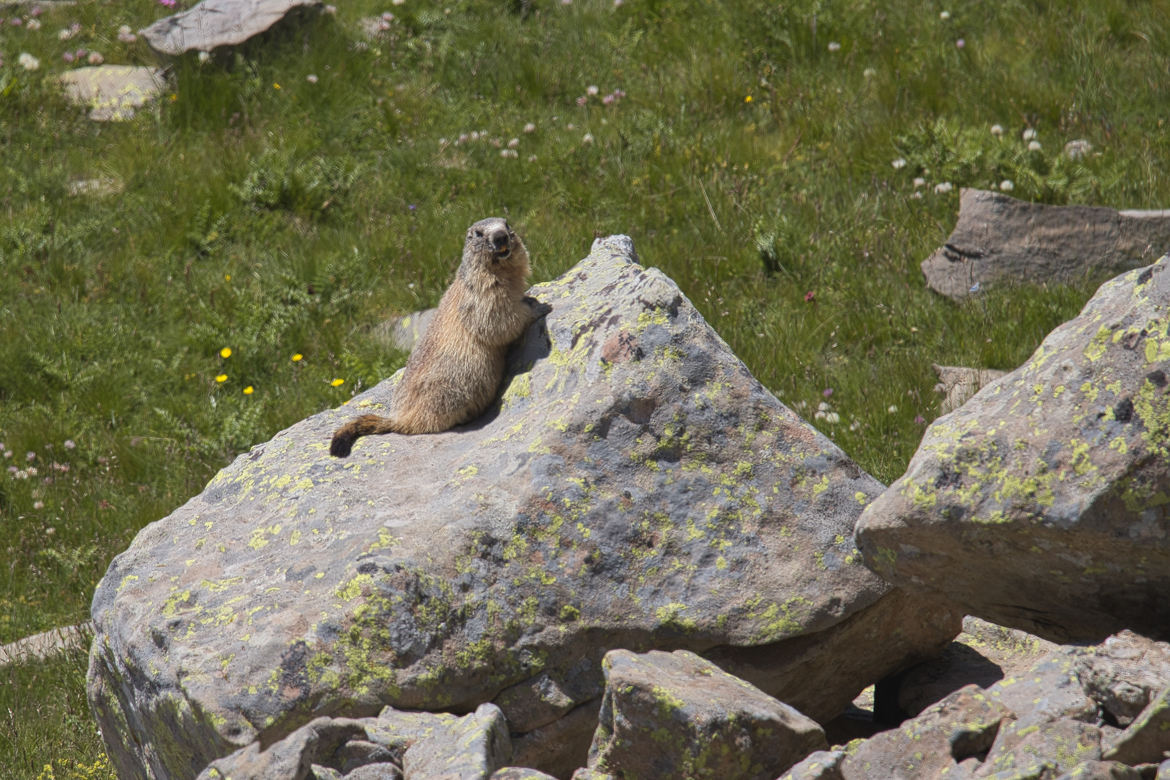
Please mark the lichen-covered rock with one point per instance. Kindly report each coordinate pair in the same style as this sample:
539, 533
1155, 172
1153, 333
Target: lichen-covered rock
1147, 738
212, 24
520, 773
1001, 240
112, 92
393, 745
678, 715
962, 726
1052, 747
1049, 726
1124, 673
821, 765
1102, 770
1044, 502
635, 487
983, 654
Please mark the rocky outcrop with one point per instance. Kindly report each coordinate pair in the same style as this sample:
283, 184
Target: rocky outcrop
678, 715
1000, 240
1043, 503
1046, 722
634, 488
213, 24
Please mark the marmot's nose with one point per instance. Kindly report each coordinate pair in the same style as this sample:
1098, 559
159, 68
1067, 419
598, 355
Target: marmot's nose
499, 239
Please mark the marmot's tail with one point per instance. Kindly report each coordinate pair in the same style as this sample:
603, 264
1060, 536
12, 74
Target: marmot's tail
365, 425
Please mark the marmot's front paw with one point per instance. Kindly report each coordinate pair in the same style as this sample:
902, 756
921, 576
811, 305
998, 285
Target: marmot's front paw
538, 309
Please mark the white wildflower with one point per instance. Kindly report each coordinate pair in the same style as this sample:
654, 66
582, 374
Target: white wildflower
997, 130
919, 182
1006, 185
1028, 134
27, 61
1034, 146
899, 164
587, 138
834, 46
943, 187
530, 128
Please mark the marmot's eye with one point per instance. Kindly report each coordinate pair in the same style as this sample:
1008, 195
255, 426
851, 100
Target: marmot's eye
479, 233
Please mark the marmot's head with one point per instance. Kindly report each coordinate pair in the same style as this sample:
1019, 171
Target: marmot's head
493, 246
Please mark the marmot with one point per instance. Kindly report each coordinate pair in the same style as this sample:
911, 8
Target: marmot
455, 370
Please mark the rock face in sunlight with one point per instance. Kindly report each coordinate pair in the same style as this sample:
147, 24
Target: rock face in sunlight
634, 488
213, 24
1043, 503
1000, 240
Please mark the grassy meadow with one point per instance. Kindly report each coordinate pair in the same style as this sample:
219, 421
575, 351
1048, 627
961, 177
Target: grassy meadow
789, 164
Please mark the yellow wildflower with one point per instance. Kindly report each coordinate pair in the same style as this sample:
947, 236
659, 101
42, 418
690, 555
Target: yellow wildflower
248, 390
337, 382
221, 378
226, 352
297, 357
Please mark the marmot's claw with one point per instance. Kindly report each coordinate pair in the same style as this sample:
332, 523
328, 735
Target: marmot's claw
538, 308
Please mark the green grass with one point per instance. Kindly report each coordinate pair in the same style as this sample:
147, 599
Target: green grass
278, 217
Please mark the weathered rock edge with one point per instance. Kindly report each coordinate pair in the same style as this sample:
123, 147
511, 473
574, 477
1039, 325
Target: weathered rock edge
636, 487
1044, 502
212, 24
999, 239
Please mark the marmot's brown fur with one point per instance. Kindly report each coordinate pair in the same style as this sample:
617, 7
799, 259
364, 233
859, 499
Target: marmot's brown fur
454, 372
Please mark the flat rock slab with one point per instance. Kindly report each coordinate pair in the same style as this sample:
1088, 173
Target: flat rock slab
1043, 503
212, 24
47, 644
634, 488
1000, 240
112, 92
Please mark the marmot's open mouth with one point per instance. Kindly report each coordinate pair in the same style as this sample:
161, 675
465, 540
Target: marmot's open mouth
502, 254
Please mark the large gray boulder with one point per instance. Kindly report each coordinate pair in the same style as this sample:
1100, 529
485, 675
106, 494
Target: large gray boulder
1043, 503
634, 488
1001, 240
213, 24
